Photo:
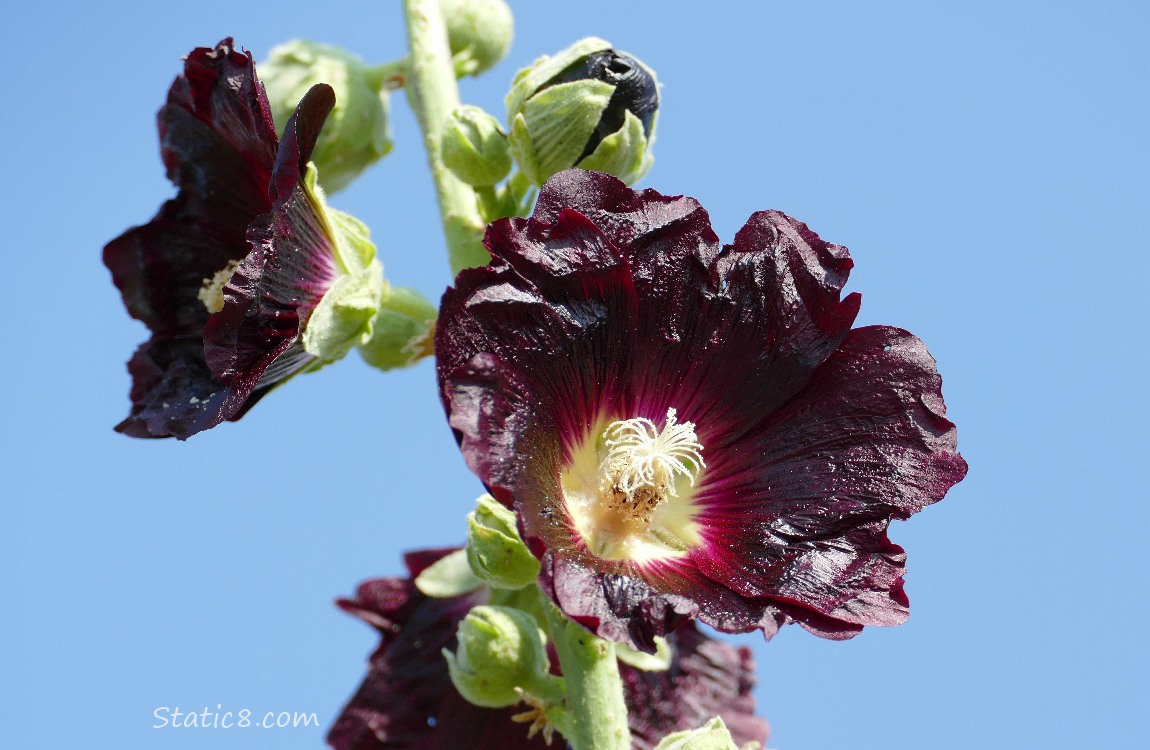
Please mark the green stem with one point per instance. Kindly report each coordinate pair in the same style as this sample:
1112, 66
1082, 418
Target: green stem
433, 93
594, 689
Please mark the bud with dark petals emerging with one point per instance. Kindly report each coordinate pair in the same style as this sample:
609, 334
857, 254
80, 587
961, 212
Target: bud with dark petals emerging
590, 107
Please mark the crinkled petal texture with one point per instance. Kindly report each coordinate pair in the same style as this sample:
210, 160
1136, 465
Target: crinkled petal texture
220, 149
407, 701
611, 304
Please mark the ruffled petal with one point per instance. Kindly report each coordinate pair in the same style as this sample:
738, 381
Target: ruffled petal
218, 145
799, 511
706, 678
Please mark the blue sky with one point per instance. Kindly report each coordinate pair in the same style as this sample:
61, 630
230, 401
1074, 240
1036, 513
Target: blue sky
985, 162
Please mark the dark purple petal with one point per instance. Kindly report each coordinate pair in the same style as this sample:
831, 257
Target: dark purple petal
218, 145
707, 678
611, 304
800, 513
617, 606
220, 89
173, 392
274, 290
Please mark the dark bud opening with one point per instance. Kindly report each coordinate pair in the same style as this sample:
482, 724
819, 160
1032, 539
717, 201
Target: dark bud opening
635, 91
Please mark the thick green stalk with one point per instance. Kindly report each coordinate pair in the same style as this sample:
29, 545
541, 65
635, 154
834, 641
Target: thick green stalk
594, 688
433, 93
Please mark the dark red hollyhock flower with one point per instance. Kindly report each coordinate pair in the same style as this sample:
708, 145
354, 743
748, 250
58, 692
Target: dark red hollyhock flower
407, 701
227, 273
687, 429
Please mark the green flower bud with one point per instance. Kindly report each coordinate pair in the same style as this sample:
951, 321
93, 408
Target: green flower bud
474, 147
713, 735
357, 133
403, 329
589, 106
501, 649
479, 33
496, 553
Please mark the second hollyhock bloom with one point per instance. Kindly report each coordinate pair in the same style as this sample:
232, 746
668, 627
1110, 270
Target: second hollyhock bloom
407, 700
246, 277
687, 429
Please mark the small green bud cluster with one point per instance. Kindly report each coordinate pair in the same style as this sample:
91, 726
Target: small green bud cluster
475, 148
588, 106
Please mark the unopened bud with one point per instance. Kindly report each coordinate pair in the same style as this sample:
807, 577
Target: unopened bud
496, 553
357, 133
479, 32
474, 147
711, 736
403, 329
501, 649
590, 107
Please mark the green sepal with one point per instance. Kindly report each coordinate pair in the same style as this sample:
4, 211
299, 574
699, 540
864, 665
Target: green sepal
531, 79
402, 330
499, 650
447, 577
556, 125
344, 317
656, 662
711, 736
625, 153
494, 550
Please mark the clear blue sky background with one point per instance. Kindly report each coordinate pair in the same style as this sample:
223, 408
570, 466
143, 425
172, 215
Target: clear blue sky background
986, 163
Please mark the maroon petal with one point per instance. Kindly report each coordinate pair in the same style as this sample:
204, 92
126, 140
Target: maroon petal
220, 148
800, 512
218, 145
274, 290
706, 678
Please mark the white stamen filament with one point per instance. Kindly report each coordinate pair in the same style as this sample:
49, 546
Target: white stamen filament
640, 456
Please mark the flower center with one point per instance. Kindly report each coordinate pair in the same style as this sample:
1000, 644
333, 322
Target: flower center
630, 492
643, 462
212, 292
